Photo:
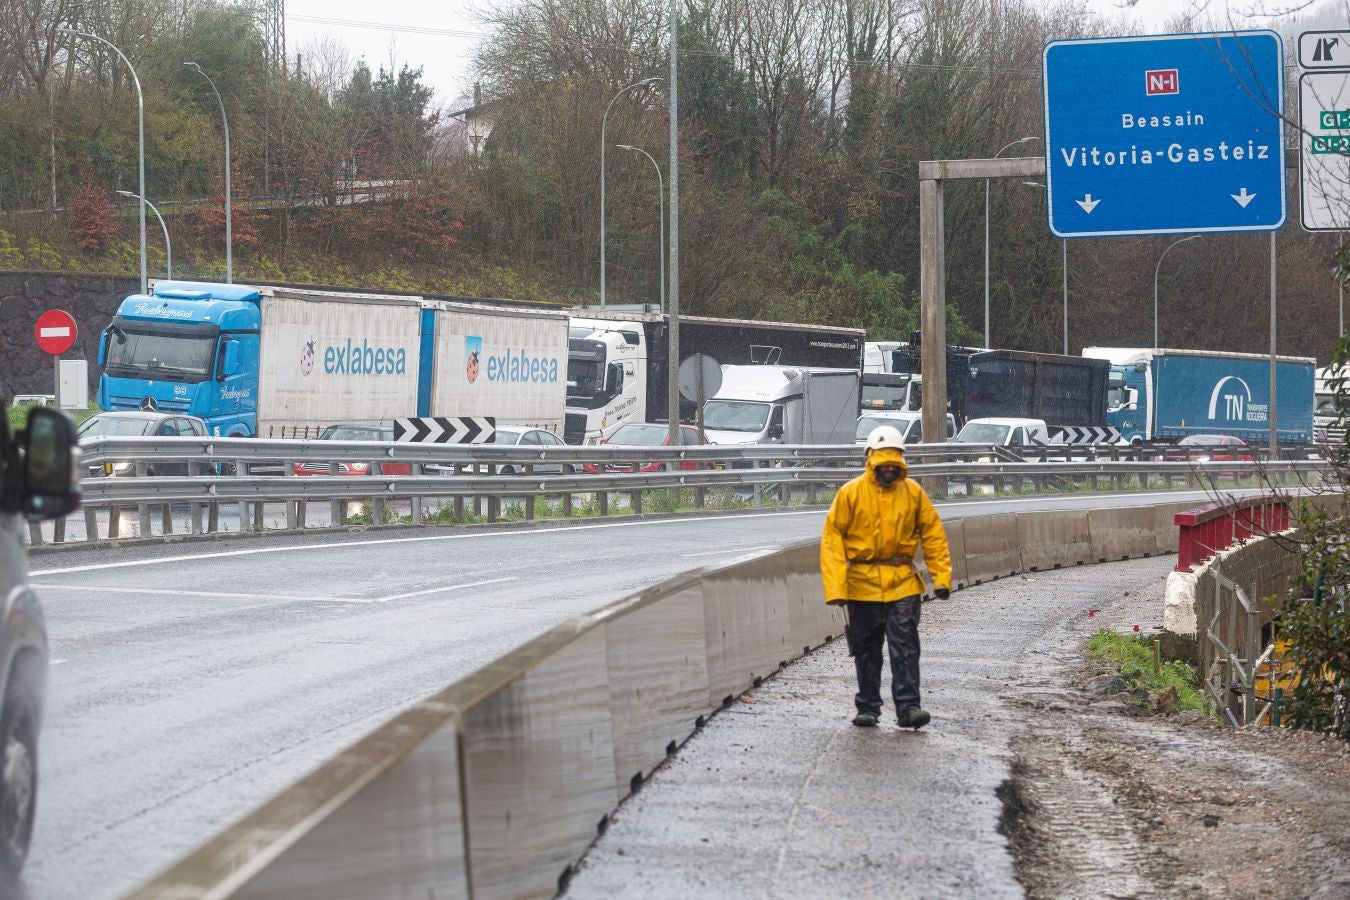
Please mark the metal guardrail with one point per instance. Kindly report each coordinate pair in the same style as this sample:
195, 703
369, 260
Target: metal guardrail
230, 471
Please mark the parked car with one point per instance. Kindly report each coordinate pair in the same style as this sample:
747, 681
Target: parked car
38, 469
528, 437
908, 423
1210, 448
649, 434
353, 433
133, 423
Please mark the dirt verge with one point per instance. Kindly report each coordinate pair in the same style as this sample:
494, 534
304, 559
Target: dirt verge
1109, 801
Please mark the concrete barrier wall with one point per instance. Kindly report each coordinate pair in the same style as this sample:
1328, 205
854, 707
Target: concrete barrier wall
496, 786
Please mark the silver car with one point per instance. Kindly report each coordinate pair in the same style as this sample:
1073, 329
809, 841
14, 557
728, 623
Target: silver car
136, 423
38, 469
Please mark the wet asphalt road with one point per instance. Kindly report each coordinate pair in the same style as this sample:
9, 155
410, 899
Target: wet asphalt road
192, 681
782, 797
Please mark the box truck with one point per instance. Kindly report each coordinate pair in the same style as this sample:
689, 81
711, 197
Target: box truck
1067, 393
783, 405
286, 362
618, 362
1332, 407
1164, 395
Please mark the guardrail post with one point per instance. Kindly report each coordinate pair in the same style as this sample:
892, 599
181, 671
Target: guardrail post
1252, 642
416, 469
166, 517
142, 509
90, 524
602, 502
494, 507
377, 510
35, 534
635, 501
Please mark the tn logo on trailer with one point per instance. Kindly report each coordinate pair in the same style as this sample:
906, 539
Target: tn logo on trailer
1161, 81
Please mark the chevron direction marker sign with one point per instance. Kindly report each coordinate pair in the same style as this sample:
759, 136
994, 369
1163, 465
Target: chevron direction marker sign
445, 429
1088, 434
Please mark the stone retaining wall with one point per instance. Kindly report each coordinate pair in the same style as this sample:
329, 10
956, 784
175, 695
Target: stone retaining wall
91, 299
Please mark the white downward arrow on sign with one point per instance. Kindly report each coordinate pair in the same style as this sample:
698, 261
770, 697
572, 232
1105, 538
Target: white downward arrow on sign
1087, 203
1243, 198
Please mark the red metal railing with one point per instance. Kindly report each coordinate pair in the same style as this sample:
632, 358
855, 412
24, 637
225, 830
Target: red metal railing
1218, 526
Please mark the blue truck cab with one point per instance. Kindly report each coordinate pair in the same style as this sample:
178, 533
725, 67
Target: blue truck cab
189, 347
1164, 395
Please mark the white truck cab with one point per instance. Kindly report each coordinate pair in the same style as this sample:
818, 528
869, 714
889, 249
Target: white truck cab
606, 377
1005, 432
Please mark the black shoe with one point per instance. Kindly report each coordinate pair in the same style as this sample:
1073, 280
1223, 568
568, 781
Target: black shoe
865, 720
915, 718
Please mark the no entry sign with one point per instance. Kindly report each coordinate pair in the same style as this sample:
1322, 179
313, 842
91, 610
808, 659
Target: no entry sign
55, 331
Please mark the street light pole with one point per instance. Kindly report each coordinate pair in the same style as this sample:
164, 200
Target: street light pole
140, 112
1155, 282
986, 238
229, 194
168, 248
673, 292
603, 121
660, 217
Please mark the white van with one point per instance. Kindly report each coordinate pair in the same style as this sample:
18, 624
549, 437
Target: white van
908, 422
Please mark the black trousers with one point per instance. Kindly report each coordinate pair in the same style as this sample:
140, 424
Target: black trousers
897, 624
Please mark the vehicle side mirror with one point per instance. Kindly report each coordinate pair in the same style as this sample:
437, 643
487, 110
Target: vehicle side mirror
615, 377
103, 348
775, 431
229, 359
50, 487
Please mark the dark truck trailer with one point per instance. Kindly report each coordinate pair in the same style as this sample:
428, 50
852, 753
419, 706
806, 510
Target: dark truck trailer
738, 342
1063, 391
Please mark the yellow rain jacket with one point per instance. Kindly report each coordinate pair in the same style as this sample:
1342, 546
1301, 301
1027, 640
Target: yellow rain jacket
872, 533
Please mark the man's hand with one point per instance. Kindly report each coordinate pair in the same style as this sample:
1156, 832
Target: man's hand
942, 593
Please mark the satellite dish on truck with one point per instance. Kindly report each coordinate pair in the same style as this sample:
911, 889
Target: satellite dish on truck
700, 377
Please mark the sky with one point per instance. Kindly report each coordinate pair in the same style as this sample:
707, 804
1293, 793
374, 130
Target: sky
440, 35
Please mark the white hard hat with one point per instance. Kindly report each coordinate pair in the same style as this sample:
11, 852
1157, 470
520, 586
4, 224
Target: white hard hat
885, 436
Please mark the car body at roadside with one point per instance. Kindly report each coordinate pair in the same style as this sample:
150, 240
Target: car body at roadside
650, 434
1210, 448
143, 423
38, 480
908, 422
353, 432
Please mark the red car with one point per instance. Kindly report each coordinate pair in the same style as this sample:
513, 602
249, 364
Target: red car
1210, 448
649, 434
354, 433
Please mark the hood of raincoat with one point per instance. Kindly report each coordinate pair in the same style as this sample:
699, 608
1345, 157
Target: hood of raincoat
888, 456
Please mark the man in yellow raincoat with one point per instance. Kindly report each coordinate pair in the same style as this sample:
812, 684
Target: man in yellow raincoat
875, 525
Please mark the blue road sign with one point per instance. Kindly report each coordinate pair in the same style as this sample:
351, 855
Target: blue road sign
1166, 134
